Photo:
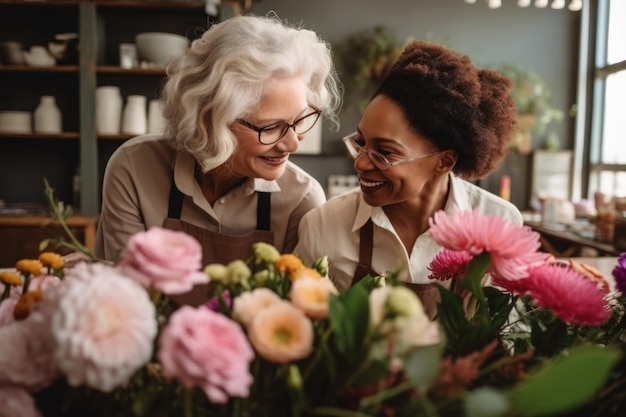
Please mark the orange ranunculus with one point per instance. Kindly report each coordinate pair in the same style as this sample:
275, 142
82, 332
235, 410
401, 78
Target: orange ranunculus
289, 263
26, 304
304, 272
10, 278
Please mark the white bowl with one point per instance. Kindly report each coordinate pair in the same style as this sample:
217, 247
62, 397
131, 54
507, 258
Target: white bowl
15, 122
160, 48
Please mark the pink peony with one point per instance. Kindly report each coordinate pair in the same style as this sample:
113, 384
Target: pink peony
6, 310
449, 264
15, 401
512, 247
203, 348
167, 260
43, 282
584, 304
281, 333
103, 325
26, 354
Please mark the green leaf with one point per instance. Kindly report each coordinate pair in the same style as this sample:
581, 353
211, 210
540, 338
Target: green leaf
486, 402
349, 316
565, 384
422, 365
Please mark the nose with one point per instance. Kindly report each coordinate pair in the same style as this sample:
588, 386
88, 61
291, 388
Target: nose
363, 162
289, 142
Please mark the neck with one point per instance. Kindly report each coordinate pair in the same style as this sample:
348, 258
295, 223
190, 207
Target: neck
217, 183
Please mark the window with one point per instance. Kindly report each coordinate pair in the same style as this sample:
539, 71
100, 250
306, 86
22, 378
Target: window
607, 143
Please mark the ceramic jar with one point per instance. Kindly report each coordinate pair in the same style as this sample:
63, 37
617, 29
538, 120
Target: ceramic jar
156, 121
47, 116
108, 110
134, 117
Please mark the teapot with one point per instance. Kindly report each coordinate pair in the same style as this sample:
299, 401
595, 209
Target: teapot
39, 56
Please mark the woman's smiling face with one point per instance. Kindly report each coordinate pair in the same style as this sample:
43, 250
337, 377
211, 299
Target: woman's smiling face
285, 100
385, 129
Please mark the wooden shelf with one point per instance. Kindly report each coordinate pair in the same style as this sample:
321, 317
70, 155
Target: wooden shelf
63, 135
28, 68
112, 69
563, 243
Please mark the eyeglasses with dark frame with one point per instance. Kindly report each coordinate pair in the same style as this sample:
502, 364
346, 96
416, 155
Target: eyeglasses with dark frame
381, 162
273, 132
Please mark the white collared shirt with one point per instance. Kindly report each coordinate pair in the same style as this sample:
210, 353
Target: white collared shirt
333, 229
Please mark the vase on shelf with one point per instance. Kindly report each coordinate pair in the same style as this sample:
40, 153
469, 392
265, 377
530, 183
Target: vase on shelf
47, 116
108, 110
134, 116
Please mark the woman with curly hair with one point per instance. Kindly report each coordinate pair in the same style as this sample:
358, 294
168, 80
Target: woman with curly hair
237, 105
435, 122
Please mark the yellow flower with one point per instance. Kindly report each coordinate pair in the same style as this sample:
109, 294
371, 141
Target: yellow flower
10, 278
403, 302
52, 260
304, 272
311, 295
289, 263
238, 272
29, 266
281, 333
216, 272
265, 253
26, 304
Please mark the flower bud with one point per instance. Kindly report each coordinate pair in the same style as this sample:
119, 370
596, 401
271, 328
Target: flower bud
238, 272
264, 253
216, 272
403, 302
321, 265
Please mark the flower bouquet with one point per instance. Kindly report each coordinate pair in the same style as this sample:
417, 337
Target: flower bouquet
276, 338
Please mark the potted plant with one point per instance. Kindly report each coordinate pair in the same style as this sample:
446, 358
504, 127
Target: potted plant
534, 106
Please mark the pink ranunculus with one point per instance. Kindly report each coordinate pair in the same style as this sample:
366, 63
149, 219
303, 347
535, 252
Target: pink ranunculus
167, 260
512, 247
449, 264
16, 401
26, 354
250, 303
571, 296
103, 325
200, 347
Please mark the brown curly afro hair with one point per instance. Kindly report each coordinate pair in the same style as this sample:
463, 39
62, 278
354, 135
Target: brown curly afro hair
454, 104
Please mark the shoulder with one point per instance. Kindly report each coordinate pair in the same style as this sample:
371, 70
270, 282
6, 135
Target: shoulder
296, 181
145, 147
342, 207
487, 202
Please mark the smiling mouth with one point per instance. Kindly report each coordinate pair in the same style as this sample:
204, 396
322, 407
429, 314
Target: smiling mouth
371, 184
275, 159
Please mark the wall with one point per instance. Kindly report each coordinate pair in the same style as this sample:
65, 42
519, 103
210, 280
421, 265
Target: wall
543, 40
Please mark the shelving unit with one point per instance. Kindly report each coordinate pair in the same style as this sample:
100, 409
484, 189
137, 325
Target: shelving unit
27, 158
101, 26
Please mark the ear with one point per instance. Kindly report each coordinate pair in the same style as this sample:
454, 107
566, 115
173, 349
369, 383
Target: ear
447, 161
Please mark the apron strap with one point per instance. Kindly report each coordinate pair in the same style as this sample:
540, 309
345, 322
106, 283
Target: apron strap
366, 243
263, 211
175, 207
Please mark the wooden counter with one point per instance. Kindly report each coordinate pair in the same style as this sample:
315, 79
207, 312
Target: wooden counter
562, 243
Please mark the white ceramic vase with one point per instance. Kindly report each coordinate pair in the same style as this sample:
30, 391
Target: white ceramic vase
156, 121
47, 116
108, 110
134, 117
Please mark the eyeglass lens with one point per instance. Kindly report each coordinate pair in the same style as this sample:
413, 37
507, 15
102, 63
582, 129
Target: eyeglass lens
354, 149
273, 133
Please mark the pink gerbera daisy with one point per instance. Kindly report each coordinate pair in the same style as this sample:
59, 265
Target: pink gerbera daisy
512, 247
571, 296
449, 264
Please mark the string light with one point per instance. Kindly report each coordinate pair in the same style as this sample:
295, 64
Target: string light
574, 5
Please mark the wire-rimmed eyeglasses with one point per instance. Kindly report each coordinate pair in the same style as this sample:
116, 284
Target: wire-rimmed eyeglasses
381, 162
273, 132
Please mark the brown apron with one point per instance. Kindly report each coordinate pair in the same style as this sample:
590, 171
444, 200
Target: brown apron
217, 247
427, 293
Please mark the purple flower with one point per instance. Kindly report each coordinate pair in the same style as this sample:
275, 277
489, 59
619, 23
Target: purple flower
213, 303
619, 272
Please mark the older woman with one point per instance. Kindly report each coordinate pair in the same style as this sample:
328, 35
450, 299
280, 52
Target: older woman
237, 104
435, 121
